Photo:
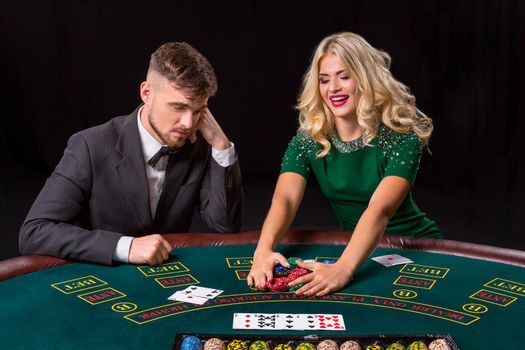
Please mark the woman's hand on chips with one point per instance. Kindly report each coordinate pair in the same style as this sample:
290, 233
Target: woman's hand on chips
324, 279
262, 268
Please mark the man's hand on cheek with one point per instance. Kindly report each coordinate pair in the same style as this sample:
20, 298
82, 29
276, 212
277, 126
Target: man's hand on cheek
211, 131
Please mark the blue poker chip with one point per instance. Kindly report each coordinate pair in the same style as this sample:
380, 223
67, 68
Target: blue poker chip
280, 271
328, 262
191, 342
279, 268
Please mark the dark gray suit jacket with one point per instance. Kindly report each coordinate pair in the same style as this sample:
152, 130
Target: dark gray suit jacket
99, 192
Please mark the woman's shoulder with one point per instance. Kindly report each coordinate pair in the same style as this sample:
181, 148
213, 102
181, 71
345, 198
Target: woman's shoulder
302, 141
389, 139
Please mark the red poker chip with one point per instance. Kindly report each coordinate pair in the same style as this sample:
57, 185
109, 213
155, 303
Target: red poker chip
279, 284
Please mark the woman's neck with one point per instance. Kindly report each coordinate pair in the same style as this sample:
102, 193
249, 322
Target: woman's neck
348, 129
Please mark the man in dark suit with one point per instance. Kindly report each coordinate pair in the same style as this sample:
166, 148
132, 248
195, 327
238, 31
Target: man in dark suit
143, 173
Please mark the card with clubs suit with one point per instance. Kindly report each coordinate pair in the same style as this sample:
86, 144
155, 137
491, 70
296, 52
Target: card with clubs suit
291, 322
204, 292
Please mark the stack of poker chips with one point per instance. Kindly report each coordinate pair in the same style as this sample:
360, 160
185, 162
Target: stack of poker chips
284, 275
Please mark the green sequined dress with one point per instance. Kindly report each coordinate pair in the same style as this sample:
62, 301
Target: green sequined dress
349, 174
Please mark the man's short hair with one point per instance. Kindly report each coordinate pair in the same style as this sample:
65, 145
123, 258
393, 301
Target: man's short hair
181, 64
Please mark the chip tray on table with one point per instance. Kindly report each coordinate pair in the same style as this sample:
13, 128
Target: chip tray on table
382, 340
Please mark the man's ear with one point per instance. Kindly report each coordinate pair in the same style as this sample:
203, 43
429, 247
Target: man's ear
146, 90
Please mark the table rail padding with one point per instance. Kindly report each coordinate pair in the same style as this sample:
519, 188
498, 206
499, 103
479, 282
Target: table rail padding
26, 264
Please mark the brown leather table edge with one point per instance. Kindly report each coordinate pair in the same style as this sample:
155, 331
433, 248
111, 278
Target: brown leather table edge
26, 264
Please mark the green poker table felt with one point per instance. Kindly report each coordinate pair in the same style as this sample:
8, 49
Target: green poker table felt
86, 306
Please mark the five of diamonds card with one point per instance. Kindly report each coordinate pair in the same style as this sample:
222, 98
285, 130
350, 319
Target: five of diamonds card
297, 322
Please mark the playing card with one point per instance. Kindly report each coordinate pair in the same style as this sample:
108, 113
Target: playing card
188, 298
254, 321
332, 322
266, 321
292, 322
204, 292
289, 322
244, 321
391, 260
310, 321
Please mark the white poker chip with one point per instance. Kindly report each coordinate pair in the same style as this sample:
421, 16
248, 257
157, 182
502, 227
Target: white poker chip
309, 261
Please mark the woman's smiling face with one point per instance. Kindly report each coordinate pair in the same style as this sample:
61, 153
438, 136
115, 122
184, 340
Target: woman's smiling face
338, 90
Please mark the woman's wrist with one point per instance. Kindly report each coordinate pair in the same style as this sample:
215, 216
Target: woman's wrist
264, 250
347, 267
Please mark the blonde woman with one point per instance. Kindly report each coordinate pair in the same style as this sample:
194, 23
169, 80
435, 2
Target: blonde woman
361, 135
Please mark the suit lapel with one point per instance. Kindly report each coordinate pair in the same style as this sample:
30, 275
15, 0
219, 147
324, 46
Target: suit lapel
131, 172
176, 171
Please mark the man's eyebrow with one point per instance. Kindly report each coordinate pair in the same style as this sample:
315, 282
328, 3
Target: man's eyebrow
178, 104
186, 105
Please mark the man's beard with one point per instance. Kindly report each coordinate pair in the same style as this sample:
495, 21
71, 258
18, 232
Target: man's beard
179, 142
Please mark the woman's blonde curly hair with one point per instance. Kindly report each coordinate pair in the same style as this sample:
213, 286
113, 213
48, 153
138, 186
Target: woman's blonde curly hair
383, 98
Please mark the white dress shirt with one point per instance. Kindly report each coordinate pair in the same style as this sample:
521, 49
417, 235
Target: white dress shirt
156, 175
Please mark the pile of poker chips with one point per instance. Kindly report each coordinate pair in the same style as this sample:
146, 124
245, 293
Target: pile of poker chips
192, 342
284, 275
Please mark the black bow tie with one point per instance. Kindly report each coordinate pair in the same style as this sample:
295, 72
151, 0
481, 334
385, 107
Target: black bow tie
163, 151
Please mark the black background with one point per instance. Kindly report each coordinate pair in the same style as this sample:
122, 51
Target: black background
69, 65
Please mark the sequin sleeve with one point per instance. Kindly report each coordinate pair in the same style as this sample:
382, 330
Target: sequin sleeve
296, 159
403, 156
